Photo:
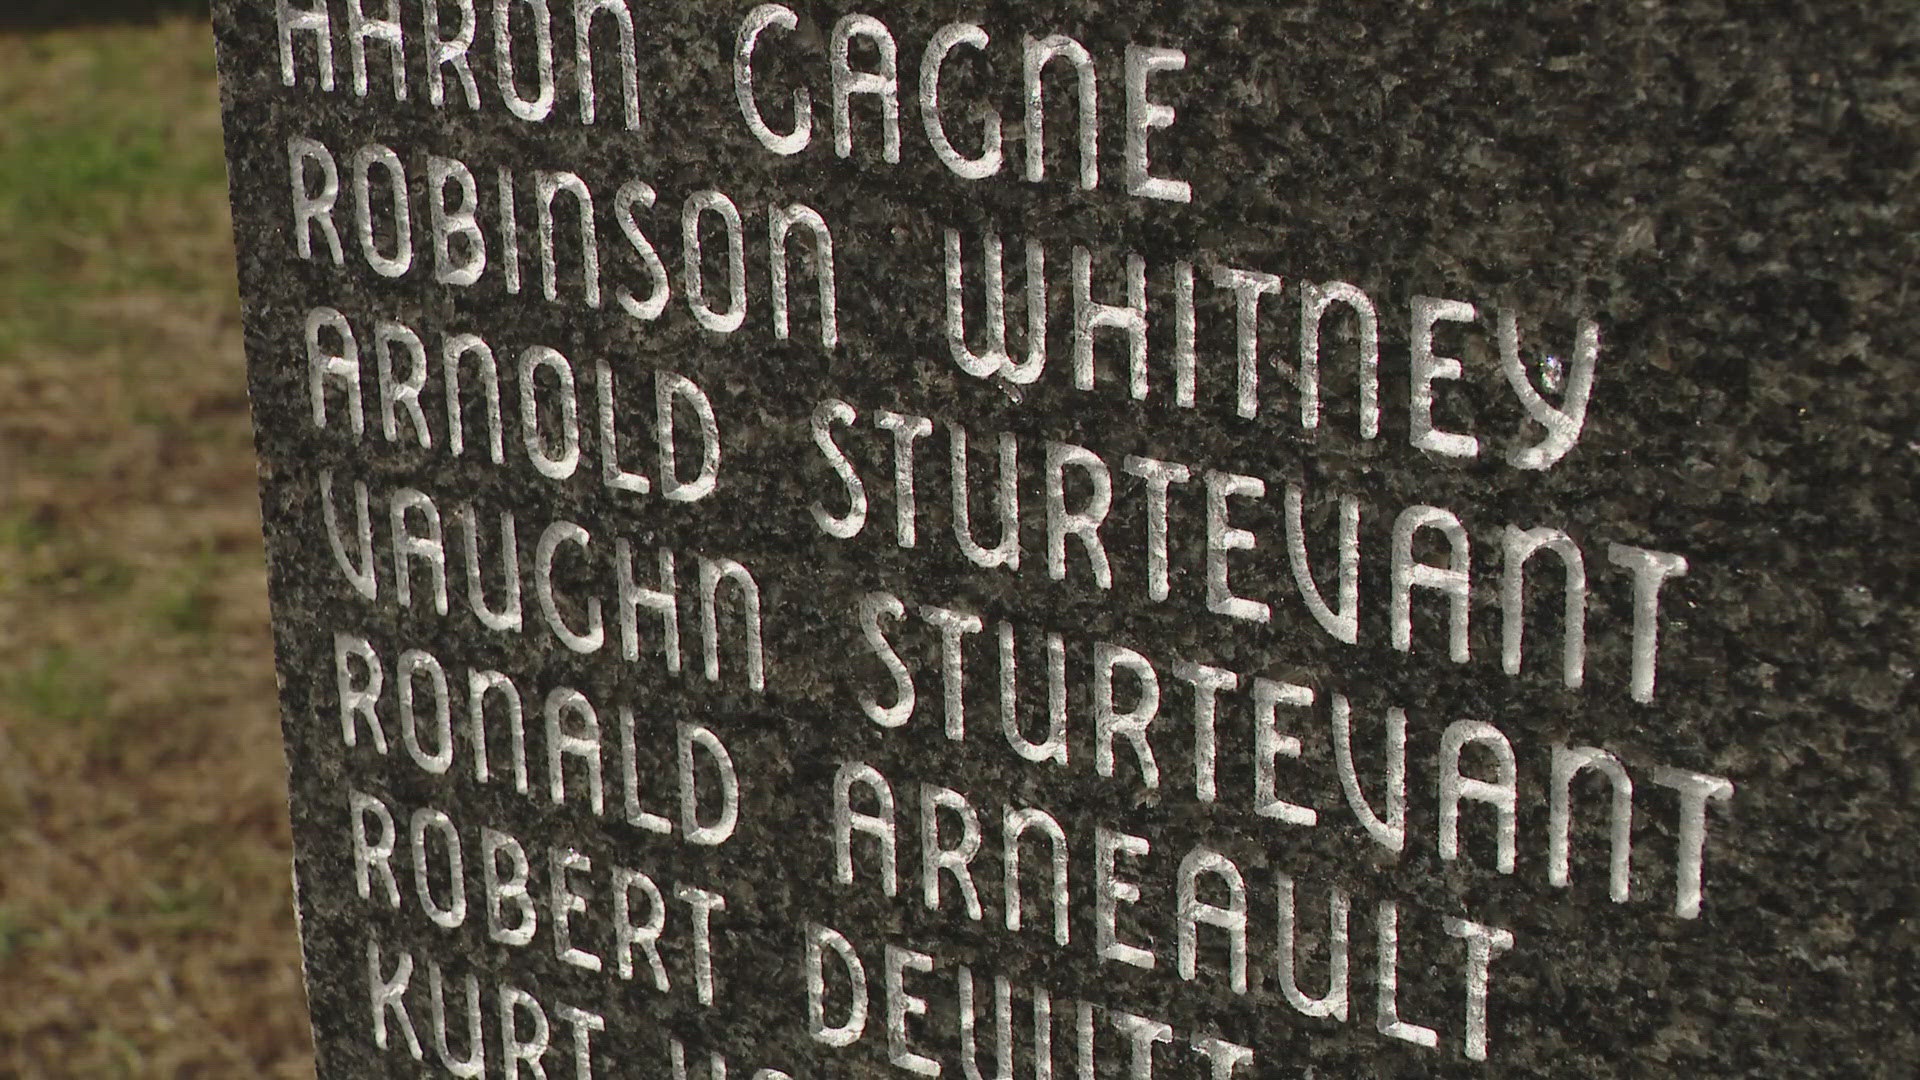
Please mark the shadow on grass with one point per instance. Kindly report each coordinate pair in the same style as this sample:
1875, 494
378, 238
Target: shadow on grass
18, 15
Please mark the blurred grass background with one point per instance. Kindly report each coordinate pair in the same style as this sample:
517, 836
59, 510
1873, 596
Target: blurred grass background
146, 922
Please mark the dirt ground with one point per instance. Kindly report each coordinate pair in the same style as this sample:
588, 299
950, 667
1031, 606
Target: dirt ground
145, 911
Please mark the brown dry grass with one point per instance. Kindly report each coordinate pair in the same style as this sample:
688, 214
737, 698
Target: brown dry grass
145, 912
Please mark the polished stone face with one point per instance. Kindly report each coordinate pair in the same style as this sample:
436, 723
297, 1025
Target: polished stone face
1089, 539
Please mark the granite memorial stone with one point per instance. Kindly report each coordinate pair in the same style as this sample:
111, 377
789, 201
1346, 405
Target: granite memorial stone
1090, 539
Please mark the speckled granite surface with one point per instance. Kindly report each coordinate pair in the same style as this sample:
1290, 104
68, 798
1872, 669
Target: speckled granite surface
1724, 191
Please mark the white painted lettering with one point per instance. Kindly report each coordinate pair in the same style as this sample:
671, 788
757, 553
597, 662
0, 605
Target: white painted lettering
1563, 422
1568, 763
1483, 942
1223, 538
508, 890
1650, 570
401, 225
1145, 116
1207, 682
1694, 789
1110, 892
450, 52
1389, 832
1453, 580
944, 41
1521, 545
780, 222
389, 995
1037, 55
342, 364
451, 916
1006, 501
727, 319
364, 577
627, 933
1248, 287
413, 664
848, 525
713, 574
305, 20
581, 744
1386, 1003
360, 30
819, 940
1083, 523
1231, 918
358, 702
547, 186
631, 194
1129, 319
1427, 367
1130, 724
663, 602
456, 349
584, 12
956, 859
883, 83
905, 430
457, 221
565, 903
670, 389
1159, 475
554, 463
1269, 744
1015, 825
953, 627
536, 108
702, 904
370, 853
425, 546
313, 209
720, 829
1343, 623
594, 635
755, 24
880, 826
1501, 793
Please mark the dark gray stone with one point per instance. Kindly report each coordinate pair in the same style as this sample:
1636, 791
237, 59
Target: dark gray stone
1723, 192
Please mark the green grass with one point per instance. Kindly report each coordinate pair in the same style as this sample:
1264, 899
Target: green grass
15, 934
186, 605
59, 685
126, 1057
24, 531
85, 177
182, 905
